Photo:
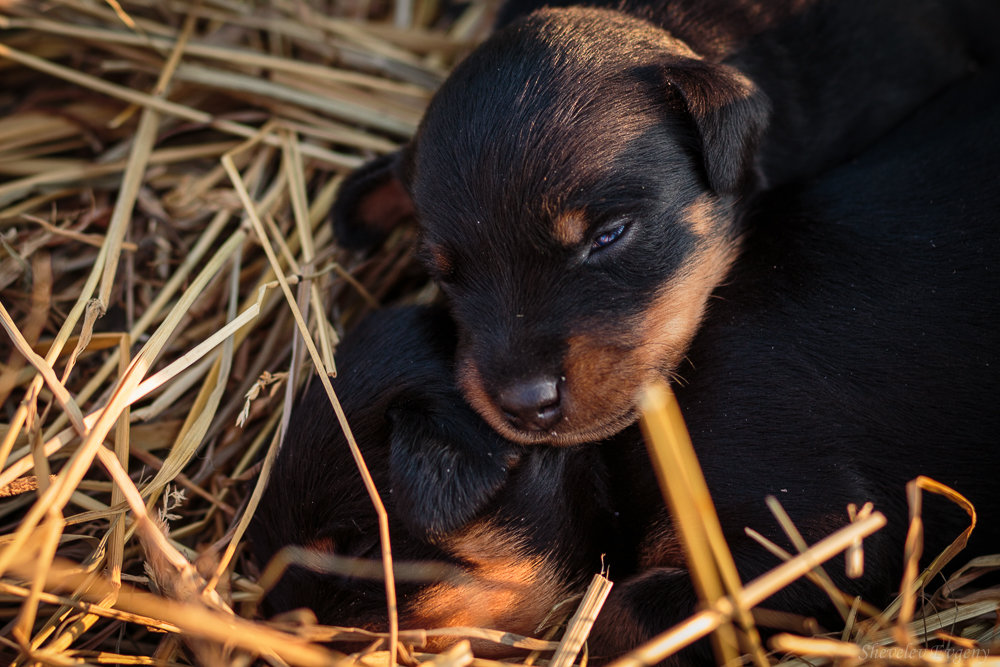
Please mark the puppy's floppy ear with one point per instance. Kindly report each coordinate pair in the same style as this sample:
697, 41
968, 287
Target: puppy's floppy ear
372, 201
731, 115
445, 465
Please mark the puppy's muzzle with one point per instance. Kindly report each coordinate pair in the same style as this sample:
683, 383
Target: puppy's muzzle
532, 404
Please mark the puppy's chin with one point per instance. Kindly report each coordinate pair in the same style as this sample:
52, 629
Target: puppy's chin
563, 434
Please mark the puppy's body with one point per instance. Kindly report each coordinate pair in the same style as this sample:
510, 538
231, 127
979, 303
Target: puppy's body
580, 179
525, 526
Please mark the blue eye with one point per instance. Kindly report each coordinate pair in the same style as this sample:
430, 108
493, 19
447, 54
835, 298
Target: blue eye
607, 238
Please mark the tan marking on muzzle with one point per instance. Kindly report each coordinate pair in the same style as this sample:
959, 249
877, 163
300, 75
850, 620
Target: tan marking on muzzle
671, 322
575, 426
602, 379
600, 384
470, 381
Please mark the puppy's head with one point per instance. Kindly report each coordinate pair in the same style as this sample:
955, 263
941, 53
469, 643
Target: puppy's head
576, 182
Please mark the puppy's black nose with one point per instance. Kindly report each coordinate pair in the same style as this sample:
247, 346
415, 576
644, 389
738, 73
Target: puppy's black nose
532, 404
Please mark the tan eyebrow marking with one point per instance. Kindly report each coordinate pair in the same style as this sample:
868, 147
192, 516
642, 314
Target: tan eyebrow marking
569, 227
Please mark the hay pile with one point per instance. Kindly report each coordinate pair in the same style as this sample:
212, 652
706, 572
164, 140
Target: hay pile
166, 172
147, 305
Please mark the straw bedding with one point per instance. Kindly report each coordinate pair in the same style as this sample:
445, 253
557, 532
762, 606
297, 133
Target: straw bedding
165, 171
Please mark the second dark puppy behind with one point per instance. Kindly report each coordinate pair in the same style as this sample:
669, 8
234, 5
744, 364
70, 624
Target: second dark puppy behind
580, 179
856, 347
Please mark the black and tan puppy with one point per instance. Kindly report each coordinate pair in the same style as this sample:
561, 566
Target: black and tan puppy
857, 346
580, 179
526, 526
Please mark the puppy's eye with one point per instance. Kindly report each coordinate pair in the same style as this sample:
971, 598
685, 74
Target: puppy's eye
607, 238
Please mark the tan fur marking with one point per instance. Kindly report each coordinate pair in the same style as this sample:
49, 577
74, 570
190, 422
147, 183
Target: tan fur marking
673, 319
507, 589
569, 227
602, 379
471, 383
703, 218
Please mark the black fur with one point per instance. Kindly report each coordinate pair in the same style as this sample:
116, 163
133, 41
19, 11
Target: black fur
652, 125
